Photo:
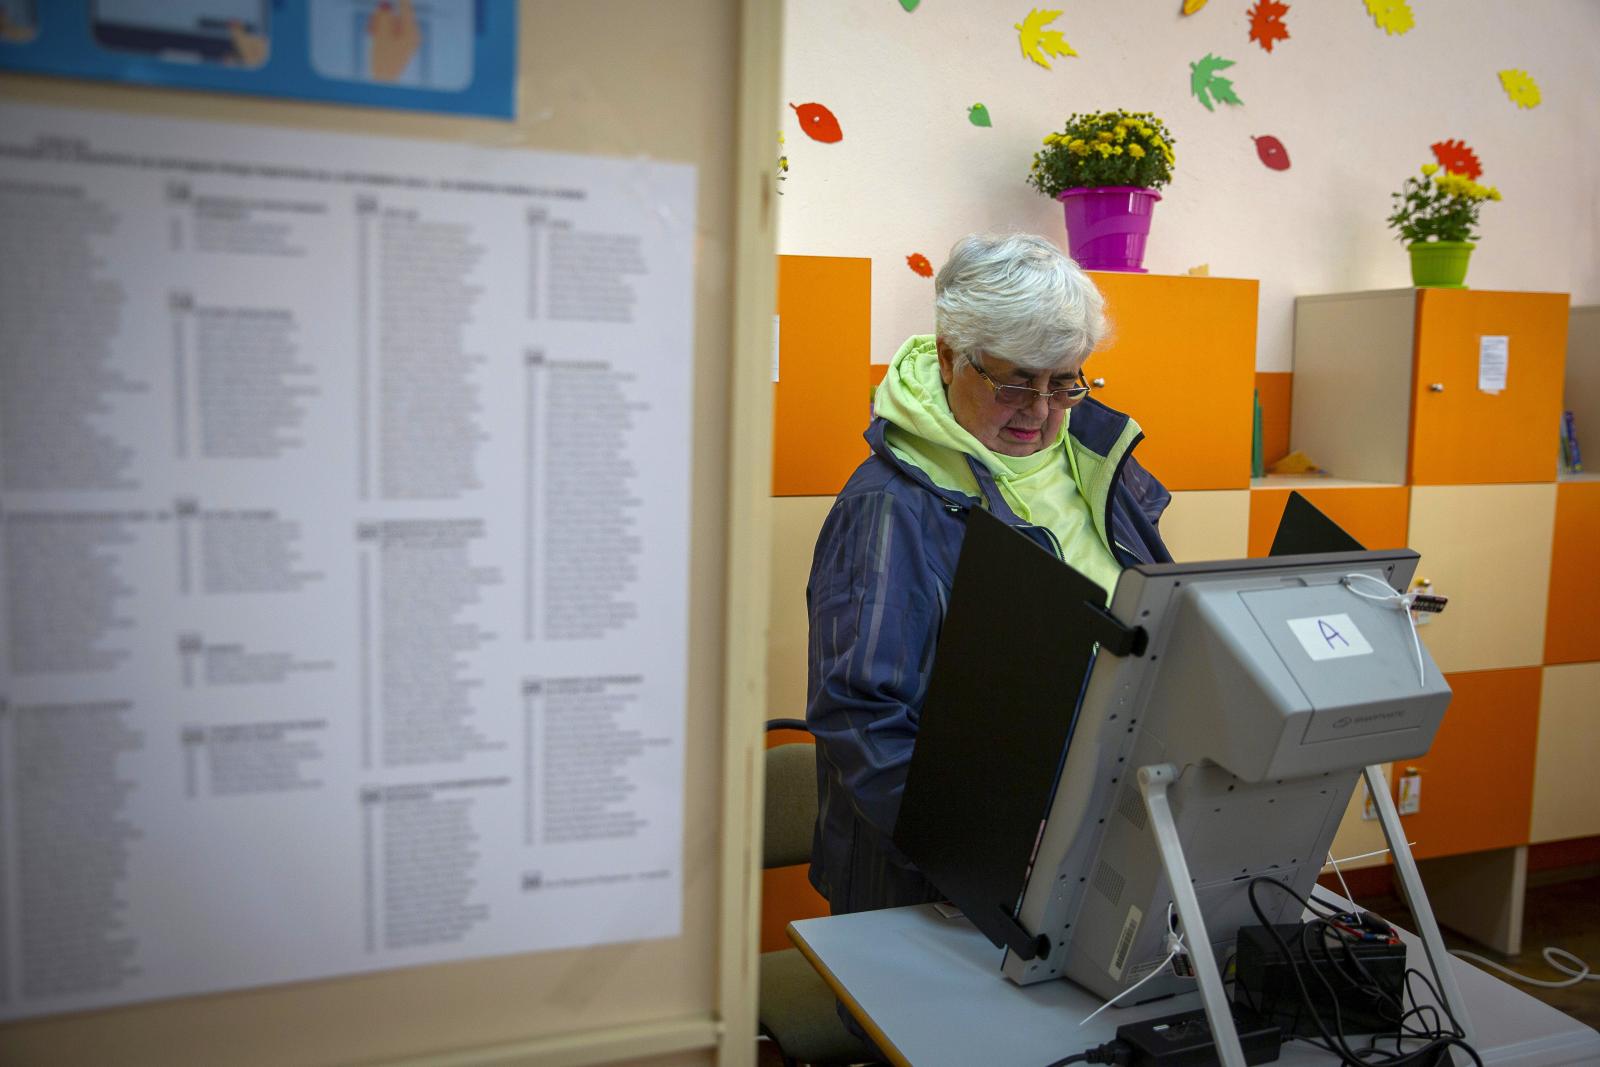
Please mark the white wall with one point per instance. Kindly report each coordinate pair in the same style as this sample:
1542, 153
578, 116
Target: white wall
1356, 109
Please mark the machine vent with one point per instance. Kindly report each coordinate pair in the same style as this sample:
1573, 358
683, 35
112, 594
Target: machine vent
1132, 807
1109, 881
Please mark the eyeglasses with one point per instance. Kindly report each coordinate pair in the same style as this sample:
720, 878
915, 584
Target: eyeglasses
1022, 396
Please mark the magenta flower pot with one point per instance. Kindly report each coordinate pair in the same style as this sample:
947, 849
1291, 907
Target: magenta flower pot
1108, 226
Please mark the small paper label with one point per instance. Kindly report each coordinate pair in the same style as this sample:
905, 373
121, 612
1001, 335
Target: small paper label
1330, 636
775, 349
1494, 353
1130, 929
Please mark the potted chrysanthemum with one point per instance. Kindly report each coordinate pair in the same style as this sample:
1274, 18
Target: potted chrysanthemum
1105, 168
1436, 216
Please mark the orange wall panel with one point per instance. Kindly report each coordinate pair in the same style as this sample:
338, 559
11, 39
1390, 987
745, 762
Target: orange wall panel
1377, 517
1182, 361
1572, 626
1477, 780
820, 401
1462, 435
1275, 389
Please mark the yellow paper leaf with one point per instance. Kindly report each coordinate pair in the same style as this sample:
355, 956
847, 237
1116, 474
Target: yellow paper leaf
1522, 89
1038, 42
1191, 6
1392, 16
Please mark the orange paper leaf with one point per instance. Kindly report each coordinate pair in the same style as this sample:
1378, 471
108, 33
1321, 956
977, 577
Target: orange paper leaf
1266, 23
1456, 158
919, 264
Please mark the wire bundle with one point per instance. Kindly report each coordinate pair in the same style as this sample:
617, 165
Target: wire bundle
1420, 1022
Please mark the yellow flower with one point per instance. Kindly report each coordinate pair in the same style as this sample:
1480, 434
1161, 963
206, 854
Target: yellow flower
1429, 168
1122, 134
1052, 138
1104, 149
1135, 151
1116, 150
1494, 194
1144, 131
1077, 142
1104, 135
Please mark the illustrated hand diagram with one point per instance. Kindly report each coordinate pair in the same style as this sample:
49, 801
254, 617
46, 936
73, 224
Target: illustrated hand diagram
249, 49
395, 39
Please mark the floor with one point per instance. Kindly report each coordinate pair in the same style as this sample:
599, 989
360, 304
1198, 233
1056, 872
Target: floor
1565, 915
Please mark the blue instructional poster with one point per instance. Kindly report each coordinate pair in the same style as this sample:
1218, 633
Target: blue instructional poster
454, 56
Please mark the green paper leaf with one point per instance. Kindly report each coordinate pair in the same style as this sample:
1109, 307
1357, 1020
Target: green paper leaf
910, 5
978, 115
1205, 84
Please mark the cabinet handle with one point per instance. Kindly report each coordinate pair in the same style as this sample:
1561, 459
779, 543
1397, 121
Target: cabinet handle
1436, 387
1097, 383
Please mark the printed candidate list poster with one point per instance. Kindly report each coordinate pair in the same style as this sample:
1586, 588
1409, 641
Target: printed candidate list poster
345, 539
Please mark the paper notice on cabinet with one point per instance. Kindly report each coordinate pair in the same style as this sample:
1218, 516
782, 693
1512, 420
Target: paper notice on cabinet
1493, 356
345, 556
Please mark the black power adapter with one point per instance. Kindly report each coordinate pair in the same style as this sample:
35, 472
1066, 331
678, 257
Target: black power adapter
1185, 1039
1366, 995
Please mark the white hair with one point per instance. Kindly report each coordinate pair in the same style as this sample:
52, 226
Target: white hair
1018, 297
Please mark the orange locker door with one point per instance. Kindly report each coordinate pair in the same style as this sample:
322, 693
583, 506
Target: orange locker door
1572, 627
1182, 362
1477, 780
1463, 435
821, 400
1376, 517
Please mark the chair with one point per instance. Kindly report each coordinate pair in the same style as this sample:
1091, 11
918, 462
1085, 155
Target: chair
797, 1009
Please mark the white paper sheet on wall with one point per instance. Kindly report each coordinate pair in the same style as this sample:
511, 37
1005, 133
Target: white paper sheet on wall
1493, 362
345, 553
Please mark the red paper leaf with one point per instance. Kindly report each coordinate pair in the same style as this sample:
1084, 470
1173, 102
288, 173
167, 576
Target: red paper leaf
1266, 23
1272, 152
818, 123
919, 264
1457, 158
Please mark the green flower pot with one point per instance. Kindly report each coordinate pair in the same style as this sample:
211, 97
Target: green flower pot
1440, 264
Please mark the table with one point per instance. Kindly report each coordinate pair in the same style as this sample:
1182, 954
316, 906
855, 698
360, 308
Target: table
930, 992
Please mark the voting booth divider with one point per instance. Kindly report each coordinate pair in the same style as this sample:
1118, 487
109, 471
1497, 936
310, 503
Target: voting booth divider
504, 387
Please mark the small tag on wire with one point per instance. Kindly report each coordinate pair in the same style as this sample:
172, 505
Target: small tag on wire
1432, 603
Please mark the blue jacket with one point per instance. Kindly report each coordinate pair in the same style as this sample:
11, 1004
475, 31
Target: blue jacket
879, 587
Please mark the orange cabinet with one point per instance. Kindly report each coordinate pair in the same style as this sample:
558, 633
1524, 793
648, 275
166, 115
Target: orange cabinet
1374, 515
1387, 385
1572, 625
821, 350
1182, 362
1477, 780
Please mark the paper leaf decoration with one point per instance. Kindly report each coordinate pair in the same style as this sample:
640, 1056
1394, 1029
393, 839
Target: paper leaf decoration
978, 115
1272, 152
818, 123
919, 264
1456, 158
1191, 6
1266, 23
1392, 16
1038, 42
910, 5
1207, 86
1523, 90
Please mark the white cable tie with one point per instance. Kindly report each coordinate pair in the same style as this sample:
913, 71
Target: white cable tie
1401, 600
1363, 855
1351, 897
1160, 967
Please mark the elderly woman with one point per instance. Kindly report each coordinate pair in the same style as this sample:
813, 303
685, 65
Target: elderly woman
991, 412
